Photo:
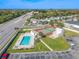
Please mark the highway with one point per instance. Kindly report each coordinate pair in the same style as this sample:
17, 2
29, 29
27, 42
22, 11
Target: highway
8, 28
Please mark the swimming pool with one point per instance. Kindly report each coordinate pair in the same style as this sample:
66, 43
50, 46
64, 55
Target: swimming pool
25, 40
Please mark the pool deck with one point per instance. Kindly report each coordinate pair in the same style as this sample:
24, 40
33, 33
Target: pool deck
30, 45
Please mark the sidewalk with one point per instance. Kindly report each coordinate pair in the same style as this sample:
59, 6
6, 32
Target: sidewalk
46, 45
72, 30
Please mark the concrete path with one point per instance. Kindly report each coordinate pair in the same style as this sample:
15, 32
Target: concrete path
46, 45
72, 30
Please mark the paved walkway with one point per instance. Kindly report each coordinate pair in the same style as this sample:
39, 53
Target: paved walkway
46, 45
72, 30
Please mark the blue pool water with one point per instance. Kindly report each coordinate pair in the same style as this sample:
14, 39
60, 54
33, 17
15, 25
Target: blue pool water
25, 40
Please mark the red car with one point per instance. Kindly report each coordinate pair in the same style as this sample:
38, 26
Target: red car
4, 56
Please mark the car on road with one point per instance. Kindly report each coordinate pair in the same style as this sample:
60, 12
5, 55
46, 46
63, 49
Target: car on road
69, 40
4, 56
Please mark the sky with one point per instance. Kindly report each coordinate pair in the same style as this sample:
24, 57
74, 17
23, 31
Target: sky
39, 4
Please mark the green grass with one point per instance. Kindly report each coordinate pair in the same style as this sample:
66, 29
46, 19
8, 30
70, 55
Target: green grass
70, 33
57, 44
23, 31
0, 37
38, 47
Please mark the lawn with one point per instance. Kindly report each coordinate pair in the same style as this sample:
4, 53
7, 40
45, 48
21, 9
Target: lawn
57, 44
25, 30
38, 47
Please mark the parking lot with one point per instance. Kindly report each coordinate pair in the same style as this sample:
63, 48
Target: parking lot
45, 55
73, 54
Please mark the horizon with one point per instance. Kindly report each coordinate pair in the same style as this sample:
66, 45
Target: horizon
39, 4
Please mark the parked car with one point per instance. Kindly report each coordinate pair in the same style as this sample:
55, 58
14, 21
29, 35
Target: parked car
72, 45
4, 56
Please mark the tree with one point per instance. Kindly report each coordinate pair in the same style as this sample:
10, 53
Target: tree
61, 24
41, 34
6, 15
51, 22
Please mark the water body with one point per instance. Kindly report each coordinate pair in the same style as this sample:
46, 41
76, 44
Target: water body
25, 40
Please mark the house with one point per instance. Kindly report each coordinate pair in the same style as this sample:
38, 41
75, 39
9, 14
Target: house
38, 22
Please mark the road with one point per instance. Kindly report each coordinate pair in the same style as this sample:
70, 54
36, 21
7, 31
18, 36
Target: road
75, 50
8, 28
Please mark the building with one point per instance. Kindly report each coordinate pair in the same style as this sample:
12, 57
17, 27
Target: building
58, 32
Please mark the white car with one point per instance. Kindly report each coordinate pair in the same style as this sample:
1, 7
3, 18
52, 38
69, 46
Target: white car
72, 44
